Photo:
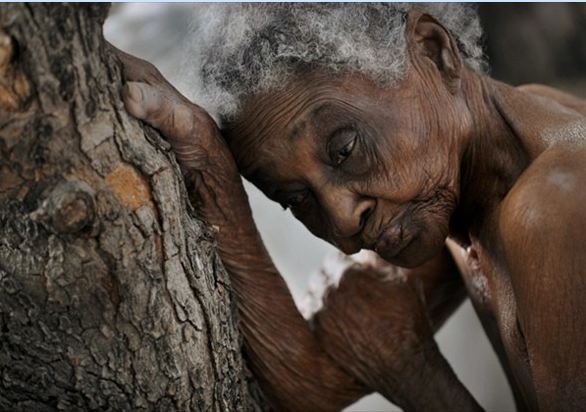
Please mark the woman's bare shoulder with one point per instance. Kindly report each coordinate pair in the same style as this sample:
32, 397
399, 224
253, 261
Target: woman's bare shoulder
565, 99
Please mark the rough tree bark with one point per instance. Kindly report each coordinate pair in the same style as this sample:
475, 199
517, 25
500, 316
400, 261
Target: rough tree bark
112, 296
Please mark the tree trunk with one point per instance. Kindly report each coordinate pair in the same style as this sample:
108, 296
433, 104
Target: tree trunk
112, 296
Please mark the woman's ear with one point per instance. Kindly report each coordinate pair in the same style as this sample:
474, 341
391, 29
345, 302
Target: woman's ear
429, 42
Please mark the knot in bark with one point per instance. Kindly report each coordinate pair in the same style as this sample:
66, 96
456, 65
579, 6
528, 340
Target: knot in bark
68, 208
14, 86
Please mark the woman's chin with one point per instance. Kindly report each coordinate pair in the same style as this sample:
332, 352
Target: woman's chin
416, 252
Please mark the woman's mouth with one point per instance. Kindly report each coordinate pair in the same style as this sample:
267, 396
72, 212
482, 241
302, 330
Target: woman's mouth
392, 241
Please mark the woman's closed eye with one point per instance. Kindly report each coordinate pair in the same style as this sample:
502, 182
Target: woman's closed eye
294, 199
341, 148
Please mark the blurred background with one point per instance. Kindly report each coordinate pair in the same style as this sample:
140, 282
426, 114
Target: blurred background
525, 43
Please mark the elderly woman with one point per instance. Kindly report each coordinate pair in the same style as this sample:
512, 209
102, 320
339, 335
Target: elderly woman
377, 128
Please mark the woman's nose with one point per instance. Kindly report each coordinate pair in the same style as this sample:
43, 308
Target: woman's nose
348, 212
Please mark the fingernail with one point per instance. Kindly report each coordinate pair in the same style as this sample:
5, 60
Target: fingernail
134, 92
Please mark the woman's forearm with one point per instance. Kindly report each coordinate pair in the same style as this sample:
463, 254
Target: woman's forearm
293, 369
437, 388
376, 327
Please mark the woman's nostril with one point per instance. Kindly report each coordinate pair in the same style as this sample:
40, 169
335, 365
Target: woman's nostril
364, 216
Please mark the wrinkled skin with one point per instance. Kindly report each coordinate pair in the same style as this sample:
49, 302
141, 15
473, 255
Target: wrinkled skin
446, 153
377, 198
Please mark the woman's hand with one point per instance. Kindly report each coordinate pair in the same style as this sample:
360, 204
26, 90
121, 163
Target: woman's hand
374, 325
193, 134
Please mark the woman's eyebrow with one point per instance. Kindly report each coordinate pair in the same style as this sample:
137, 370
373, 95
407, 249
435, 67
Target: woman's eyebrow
298, 127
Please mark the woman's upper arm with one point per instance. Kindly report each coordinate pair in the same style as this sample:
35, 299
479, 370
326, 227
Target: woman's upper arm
544, 237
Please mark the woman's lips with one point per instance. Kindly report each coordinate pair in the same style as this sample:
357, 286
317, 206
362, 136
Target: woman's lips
391, 241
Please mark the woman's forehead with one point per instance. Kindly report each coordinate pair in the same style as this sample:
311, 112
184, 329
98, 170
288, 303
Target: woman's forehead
291, 108
267, 131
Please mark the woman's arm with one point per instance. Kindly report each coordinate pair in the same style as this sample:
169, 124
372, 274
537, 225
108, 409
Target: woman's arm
294, 370
438, 281
375, 326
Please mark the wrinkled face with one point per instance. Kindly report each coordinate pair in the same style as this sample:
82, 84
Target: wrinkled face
359, 165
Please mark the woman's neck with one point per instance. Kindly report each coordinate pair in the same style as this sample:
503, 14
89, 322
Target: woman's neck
494, 154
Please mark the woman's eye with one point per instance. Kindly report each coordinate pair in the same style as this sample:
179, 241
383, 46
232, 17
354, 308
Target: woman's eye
294, 200
344, 152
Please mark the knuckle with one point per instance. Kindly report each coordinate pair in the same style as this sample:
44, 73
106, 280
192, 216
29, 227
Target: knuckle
182, 119
136, 69
152, 72
156, 106
356, 276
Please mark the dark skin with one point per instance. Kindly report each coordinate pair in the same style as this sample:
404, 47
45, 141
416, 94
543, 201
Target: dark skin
446, 153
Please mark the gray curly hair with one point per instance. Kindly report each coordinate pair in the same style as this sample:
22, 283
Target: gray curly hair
238, 50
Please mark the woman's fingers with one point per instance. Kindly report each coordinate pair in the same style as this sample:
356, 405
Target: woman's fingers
132, 95
148, 96
192, 132
156, 107
136, 69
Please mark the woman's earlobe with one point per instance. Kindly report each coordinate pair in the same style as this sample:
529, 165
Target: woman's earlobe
428, 40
